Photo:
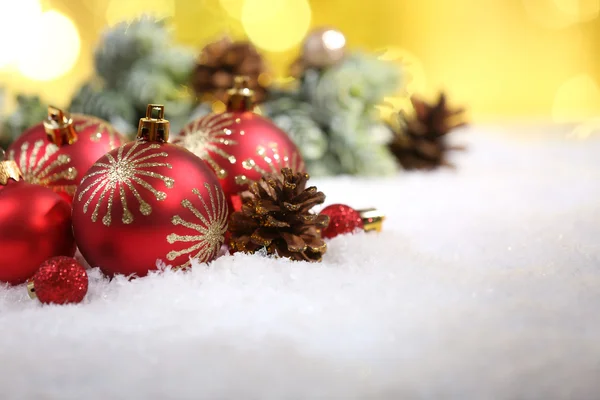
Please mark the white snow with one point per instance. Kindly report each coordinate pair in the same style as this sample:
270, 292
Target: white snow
485, 284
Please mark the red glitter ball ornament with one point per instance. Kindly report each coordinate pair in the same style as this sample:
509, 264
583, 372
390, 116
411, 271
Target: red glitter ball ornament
240, 145
342, 220
57, 152
149, 200
35, 224
59, 280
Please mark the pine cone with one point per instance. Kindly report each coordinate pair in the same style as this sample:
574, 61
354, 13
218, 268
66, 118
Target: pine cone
276, 215
421, 143
218, 64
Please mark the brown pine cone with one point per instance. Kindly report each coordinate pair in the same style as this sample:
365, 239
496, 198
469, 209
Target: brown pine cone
219, 63
322, 48
420, 142
276, 215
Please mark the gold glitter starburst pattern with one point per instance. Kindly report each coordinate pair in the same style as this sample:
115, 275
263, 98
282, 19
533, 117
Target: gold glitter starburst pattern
274, 161
82, 122
209, 228
205, 136
43, 171
130, 169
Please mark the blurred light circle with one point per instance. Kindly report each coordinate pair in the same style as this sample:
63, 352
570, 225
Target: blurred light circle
576, 100
333, 39
15, 21
119, 10
50, 47
276, 25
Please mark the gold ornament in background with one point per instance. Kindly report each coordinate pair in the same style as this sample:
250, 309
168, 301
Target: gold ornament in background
322, 48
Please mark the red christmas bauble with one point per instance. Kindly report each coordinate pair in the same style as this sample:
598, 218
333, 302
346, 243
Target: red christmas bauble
239, 145
35, 224
57, 152
146, 201
342, 220
59, 280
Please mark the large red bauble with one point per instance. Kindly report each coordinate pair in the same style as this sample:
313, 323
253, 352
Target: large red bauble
148, 201
240, 146
35, 224
60, 164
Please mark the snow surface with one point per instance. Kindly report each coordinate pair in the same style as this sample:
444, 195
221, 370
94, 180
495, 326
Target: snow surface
485, 284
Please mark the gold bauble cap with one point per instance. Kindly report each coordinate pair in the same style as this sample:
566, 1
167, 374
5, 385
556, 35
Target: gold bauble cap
240, 96
31, 290
372, 219
153, 129
59, 127
8, 170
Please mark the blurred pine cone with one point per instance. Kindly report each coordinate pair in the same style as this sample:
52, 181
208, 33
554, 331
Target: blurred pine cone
218, 64
276, 216
420, 143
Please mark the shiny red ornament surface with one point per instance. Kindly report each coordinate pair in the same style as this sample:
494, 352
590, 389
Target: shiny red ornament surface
342, 220
240, 147
59, 280
148, 201
35, 224
61, 167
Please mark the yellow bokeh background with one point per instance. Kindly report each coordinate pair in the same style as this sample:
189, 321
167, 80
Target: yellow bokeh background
505, 59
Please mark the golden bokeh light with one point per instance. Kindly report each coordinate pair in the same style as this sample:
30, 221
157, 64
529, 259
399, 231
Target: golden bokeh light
51, 47
119, 10
218, 107
576, 100
333, 39
500, 58
14, 21
276, 25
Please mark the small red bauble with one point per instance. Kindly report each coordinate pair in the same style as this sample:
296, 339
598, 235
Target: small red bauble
35, 224
146, 201
342, 220
57, 152
239, 145
59, 280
